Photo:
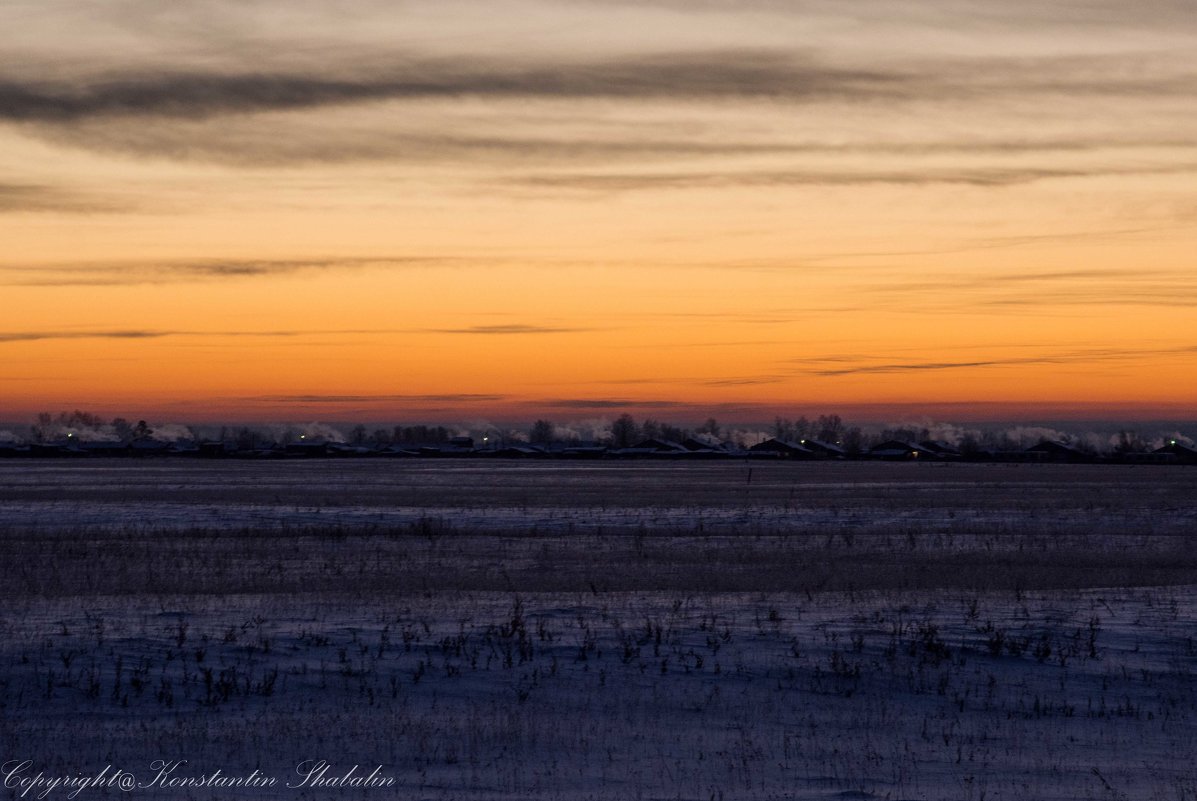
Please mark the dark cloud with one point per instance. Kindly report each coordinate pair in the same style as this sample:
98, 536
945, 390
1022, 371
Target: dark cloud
34, 336
1163, 297
745, 381
716, 74
1070, 357
610, 403
42, 198
128, 273
922, 366
1015, 15
701, 75
230, 114
502, 330
336, 399
256, 141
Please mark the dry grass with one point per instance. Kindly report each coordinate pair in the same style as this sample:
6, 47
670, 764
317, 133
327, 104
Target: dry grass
864, 631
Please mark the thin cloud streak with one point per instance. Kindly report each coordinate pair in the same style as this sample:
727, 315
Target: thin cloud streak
981, 177
28, 198
34, 336
132, 273
1073, 357
338, 399
134, 334
610, 403
256, 141
508, 330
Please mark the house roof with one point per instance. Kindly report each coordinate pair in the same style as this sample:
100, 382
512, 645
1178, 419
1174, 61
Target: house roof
660, 445
780, 445
820, 445
1054, 446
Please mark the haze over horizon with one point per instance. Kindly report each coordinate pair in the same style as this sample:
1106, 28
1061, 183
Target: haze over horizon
265, 210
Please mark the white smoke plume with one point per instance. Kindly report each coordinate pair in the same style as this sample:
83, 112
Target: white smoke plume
951, 434
1026, 436
589, 430
316, 432
104, 433
171, 432
1161, 441
324, 431
747, 437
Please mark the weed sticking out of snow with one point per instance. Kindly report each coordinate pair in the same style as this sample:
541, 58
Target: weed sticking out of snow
638, 655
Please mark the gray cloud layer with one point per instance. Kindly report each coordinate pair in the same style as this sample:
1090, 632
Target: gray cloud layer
704, 75
721, 75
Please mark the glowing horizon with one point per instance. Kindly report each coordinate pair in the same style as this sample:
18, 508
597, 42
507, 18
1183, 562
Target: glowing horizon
272, 211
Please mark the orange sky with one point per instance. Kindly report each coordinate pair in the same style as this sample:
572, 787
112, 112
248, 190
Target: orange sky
433, 211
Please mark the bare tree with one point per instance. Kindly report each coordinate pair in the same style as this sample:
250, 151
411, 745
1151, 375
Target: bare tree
541, 433
830, 428
624, 431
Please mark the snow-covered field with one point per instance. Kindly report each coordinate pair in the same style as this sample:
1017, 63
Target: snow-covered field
481, 630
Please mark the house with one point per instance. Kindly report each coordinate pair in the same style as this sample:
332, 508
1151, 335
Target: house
457, 446
307, 446
62, 447
1181, 453
707, 446
105, 448
398, 451
781, 449
657, 447
1008, 456
343, 449
213, 448
517, 451
895, 450
942, 450
582, 450
10, 449
1056, 451
823, 450
699, 443
184, 447
149, 447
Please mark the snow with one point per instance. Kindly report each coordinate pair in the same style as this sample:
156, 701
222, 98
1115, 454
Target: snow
575, 645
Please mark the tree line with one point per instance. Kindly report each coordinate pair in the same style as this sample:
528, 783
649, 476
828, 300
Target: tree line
623, 432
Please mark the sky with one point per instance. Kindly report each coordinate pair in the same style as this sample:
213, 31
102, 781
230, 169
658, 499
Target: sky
425, 210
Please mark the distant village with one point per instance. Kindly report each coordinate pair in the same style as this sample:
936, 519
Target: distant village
81, 435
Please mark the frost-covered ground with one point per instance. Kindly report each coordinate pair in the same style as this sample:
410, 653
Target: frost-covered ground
604, 631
